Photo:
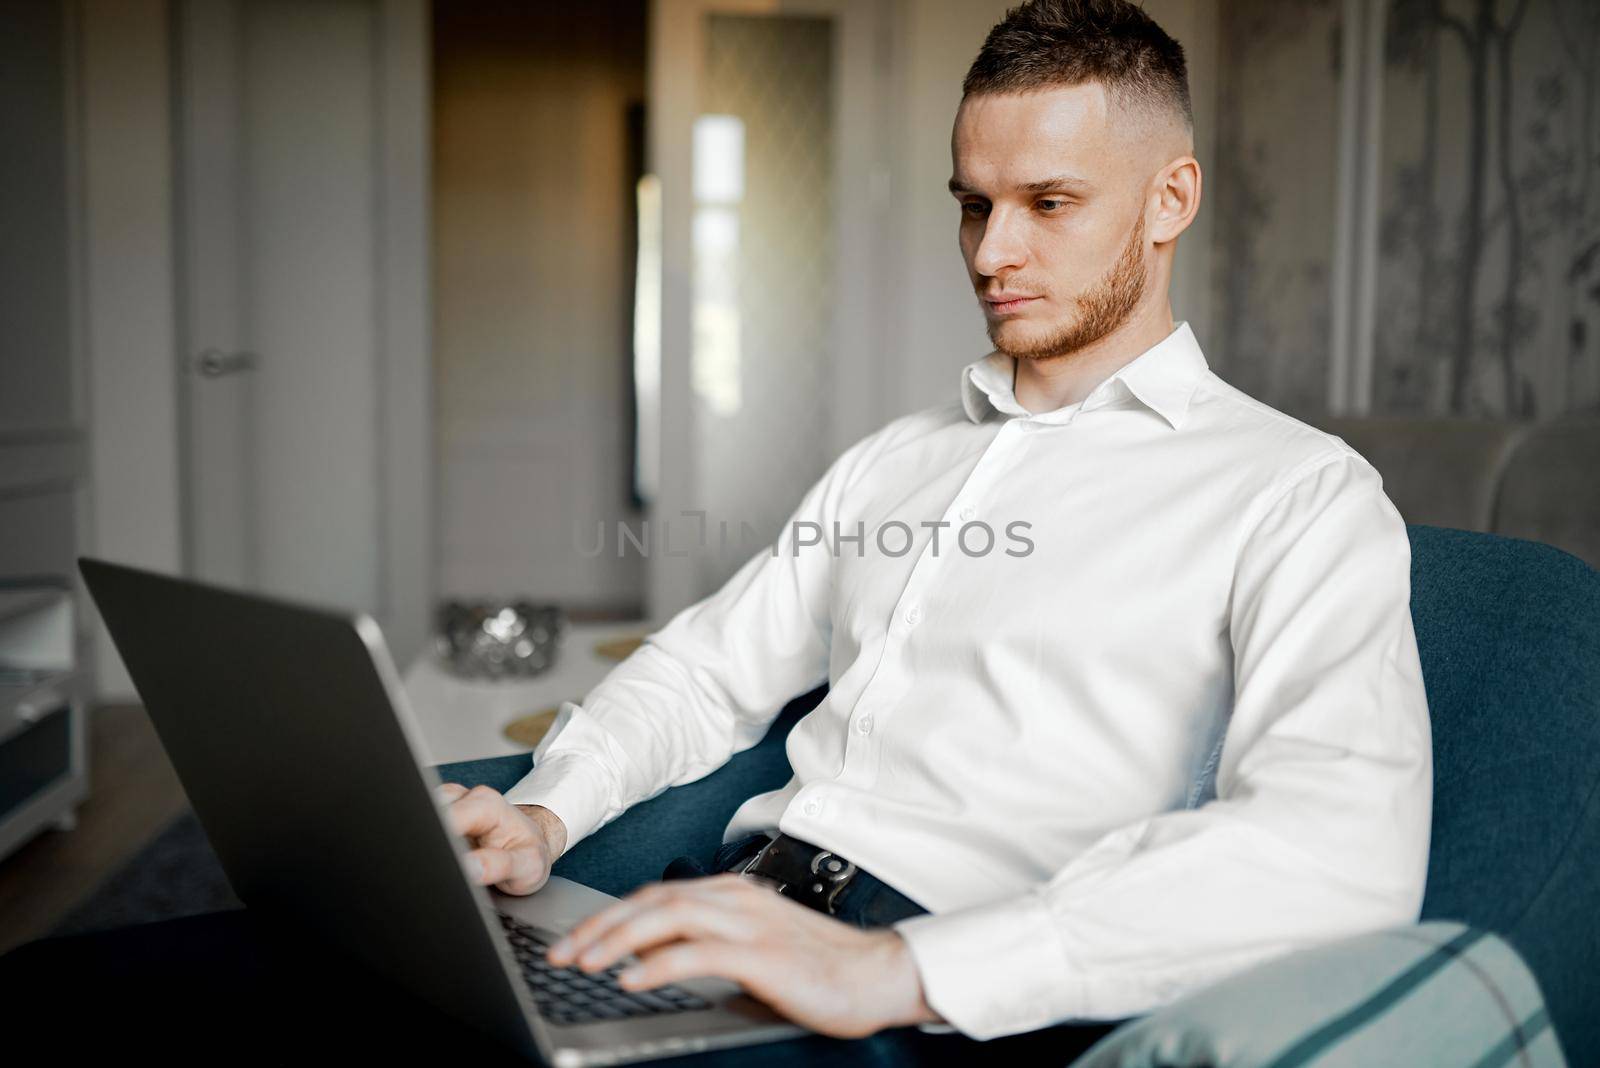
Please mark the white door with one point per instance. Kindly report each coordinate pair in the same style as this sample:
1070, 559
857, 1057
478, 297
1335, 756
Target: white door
286, 166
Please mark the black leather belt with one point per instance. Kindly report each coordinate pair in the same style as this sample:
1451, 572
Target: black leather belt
797, 869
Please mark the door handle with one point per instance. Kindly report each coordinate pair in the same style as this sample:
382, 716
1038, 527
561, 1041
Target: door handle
214, 363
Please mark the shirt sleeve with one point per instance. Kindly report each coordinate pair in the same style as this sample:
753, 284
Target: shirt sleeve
705, 686
1320, 826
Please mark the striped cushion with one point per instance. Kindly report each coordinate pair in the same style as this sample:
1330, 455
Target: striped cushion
1437, 993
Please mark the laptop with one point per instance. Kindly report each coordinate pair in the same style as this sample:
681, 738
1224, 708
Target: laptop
290, 732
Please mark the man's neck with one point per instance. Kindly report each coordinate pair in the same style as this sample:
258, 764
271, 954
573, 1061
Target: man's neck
1043, 385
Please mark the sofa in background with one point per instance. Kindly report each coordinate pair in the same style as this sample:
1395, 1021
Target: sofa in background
1539, 481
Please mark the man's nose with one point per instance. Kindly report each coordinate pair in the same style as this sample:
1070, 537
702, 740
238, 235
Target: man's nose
1001, 247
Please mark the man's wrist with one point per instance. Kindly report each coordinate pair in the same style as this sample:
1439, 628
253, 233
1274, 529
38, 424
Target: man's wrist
909, 1006
550, 826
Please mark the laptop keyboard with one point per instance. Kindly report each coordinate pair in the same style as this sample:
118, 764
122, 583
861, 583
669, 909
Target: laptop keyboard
571, 996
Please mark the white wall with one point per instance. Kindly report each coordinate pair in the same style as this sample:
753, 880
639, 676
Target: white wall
128, 296
940, 327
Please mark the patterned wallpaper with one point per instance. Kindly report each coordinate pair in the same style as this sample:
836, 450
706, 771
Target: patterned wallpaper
1490, 271
1488, 287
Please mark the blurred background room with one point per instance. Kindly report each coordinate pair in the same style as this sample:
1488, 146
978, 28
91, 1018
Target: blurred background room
532, 322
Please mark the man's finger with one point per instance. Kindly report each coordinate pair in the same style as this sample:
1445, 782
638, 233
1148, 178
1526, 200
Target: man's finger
512, 870
686, 917
474, 814
449, 791
700, 959
575, 941
594, 927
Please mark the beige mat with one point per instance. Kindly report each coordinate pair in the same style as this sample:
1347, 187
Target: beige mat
529, 730
618, 648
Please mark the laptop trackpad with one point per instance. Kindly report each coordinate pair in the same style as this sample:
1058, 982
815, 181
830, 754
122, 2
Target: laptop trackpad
558, 905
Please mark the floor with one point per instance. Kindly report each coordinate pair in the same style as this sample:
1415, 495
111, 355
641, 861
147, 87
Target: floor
133, 794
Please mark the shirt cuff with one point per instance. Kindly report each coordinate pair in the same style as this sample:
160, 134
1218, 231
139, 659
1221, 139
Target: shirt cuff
573, 786
993, 970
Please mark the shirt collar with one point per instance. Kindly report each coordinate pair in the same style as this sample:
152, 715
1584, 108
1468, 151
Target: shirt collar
1163, 378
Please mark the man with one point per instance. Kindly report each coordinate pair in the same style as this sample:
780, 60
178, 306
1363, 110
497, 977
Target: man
1183, 730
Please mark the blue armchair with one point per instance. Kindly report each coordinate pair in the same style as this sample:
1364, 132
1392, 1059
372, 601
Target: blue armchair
1509, 636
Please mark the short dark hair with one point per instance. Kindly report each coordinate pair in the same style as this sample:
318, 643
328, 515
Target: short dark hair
1069, 42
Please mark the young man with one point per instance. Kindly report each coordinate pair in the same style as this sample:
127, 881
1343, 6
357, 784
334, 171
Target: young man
1178, 728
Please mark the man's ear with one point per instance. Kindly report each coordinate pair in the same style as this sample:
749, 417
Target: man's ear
1177, 191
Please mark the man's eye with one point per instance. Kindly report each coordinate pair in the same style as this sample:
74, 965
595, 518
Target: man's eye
1050, 206
975, 209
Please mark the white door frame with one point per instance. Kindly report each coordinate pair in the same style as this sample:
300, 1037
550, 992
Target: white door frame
862, 90
403, 377
405, 323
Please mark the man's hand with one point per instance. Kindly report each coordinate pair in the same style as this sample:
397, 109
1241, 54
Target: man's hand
818, 971
513, 846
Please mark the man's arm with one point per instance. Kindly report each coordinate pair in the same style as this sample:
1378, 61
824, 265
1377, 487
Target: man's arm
704, 687
1321, 825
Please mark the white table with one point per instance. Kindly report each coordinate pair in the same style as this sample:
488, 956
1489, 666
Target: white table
464, 719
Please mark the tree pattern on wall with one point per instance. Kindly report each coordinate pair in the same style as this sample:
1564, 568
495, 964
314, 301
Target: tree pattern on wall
1490, 249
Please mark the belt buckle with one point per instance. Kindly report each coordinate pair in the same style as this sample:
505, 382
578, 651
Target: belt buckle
744, 869
830, 873
831, 869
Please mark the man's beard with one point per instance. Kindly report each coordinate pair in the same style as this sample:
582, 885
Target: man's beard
1103, 308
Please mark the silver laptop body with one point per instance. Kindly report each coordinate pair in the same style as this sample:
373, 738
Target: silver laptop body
291, 735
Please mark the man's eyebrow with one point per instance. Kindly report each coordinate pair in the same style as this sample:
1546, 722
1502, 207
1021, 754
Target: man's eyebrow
1043, 185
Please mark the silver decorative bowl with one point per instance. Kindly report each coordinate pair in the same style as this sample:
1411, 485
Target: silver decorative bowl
487, 639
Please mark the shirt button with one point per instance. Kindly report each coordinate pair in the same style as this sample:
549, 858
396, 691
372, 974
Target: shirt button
865, 726
968, 512
914, 615
813, 807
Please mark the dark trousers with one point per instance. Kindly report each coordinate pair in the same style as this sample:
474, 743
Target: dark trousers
235, 986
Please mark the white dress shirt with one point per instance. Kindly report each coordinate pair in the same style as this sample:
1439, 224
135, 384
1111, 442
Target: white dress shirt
1170, 726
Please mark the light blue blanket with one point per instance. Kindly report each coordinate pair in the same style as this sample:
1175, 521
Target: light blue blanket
1436, 993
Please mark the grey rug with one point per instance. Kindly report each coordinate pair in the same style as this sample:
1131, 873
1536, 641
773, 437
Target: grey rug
176, 874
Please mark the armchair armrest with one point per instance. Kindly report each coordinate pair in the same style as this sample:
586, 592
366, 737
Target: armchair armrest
636, 847
1431, 993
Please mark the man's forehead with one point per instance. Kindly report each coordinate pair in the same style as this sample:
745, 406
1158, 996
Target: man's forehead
1056, 112
1021, 139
